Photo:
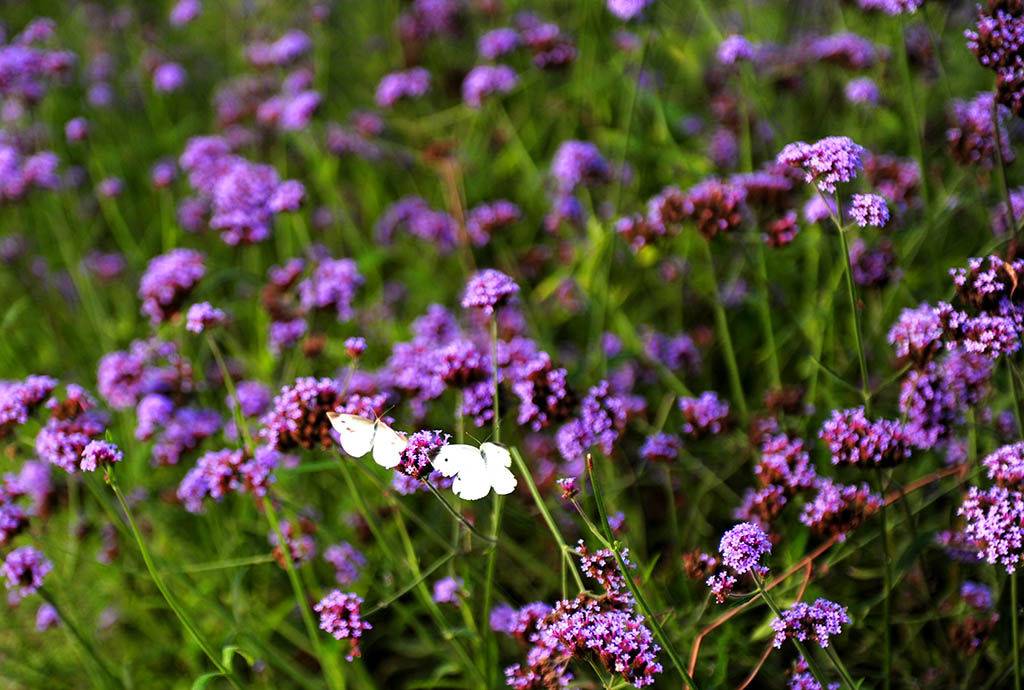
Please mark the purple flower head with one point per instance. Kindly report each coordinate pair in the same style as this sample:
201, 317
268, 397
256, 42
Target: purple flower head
971, 136
46, 617
355, 347
243, 199
162, 174
485, 80
19, 399
1006, 466
447, 590
419, 453
168, 77
254, 397
869, 209
568, 487
284, 334
110, 187
25, 569
826, 162
184, 11
714, 206
576, 163
76, 129
976, 595
721, 584
100, 454
627, 9
203, 316
348, 563
488, 289
853, 439
862, 91
413, 83
168, 281
847, 50
816, 622
784, 462
298, 109
333, 284
742, 548
874, 266
734, 48
339, 616
917, 335
287, 197
703, 416
416, 216
461, 363
498, 42
891, 7
661, 448
994, 525
838, 509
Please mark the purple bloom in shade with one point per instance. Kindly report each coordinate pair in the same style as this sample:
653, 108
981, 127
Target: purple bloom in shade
242, 194
485, 80
933, 399
1006, 466
714, 206
578, 163
816, 622
869, 209
998, 37
168, 77
447, 591
784, 462
742, 548
971, 137
419, 453
498, 42
100, 454
34, 481
817, 209
862, 91
192, 213
355, 347
917, 335
184, 11
488, 289
168, 281
761, 506
976, 595
203, 315
847, 50
853, 439
826, 162
676, 352
186, 429
13, 519
721, 584
162, 174
254, 397
284, 334
76, 129
339, 616
415, 215
550, 47
627, 9
873, 266
153, 411
958, 546
299, 415
413, 83
661, 448
110, 187
333, 284
802, 679
565, 208
603, 417
1000, 219
298, 110
461, 363
24, 570
521, 623
100, 95
19, 399
62, 440
46, 617
105, 266
891, 7
705, 415
734, 48
568, 487
838, 509
348, 563
288, 196
300, 544
994, 525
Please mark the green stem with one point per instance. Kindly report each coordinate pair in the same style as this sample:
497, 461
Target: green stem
830, 652
236, 406
80, 638
765, 305
608, 542
183, 617
456, 514
496, 506
1016, 632
768, 599
546, 515
887, 599
722, 326
910, 103
851, 290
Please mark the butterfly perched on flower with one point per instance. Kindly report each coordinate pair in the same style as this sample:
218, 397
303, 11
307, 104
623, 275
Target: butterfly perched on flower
476, 471
360, 436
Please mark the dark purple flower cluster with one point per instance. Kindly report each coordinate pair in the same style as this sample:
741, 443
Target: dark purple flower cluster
19, 399
853, 439
714, 206
836, 509
204, 316
994, 525
971, 136
290, 47
416, 216
847, 50
340, 616
74, 421
917, 335
19, 173
742, 548
677, 352
220, 472
816, 622
542, 389
485, 80
602, 419
412, 83
661, 448
869, 209
703, 416
933, 398
298, 538
578, 163
420, 451
998, 42
785, 463
550, 46
348, 562
332, 285
299, 415
874, 266
24, 569
13, 518
168, 281
484, 219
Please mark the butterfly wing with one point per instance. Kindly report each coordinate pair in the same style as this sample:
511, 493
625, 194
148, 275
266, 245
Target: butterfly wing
356, 433
451, 458
498, 461
388, 446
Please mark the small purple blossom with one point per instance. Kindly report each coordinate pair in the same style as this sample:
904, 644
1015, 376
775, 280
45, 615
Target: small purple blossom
25, 569
826, 162
704, 415
413, 83
168, 281
203, 316
339, 616
348, 563
488, 289
447, 591
485, 80
816, 622
869, 209
100, 454
742, 548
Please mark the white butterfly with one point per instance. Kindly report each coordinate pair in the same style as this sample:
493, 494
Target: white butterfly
359, 435
476, 470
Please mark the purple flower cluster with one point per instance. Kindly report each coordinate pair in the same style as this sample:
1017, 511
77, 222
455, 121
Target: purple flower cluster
348, 563
785, 463
971, 136
703, 416
578, 163
24, 569
498, 42
488, 290
19, 399
1006, 466
412, 83
862, 91
869, 209
816, 622
742, 548
333, 284
733, 49
418, 455
290, 47
416, 216
484, 219
340, 616
220, 472
826, 162
917, 335
204, 316
661, 448
448, 590
994, 525
874, 266
485, 80
853, 439
891, 7
603, 417
836, 509
168, 281
98, 454
627, 9
73, 423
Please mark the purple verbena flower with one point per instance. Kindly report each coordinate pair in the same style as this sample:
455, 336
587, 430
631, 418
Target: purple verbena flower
339, 616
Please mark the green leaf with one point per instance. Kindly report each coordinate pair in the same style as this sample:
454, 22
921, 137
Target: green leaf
204, 680
228, 653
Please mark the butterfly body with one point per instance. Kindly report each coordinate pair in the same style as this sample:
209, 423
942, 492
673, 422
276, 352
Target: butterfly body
476, 471
360, 436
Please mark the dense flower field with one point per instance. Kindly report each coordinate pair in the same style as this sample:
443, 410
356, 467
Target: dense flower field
485, 343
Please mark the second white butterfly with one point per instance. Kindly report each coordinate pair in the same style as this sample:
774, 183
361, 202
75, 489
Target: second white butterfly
476, 470
360, 436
